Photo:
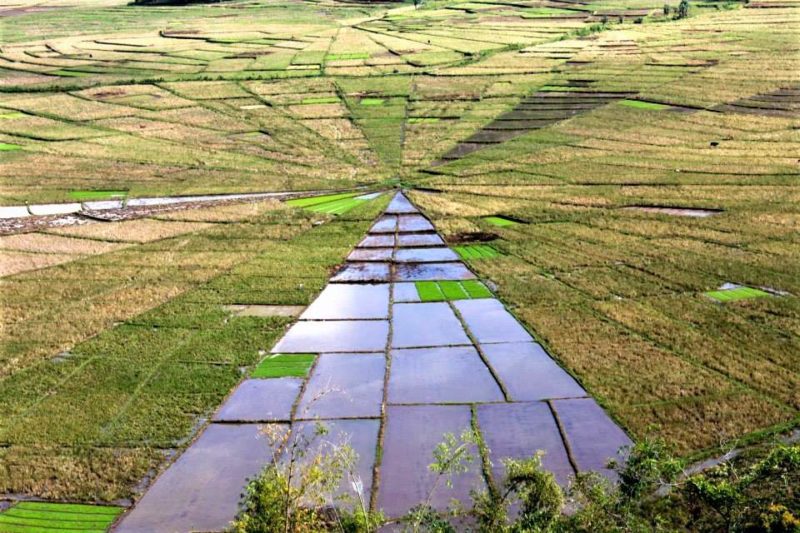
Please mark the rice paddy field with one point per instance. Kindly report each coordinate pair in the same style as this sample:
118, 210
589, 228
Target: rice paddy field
628, 185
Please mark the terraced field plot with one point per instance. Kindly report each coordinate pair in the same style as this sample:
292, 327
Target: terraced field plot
600, 169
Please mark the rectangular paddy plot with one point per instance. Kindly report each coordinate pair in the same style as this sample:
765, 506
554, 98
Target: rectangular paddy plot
261, 400
489, 321
284, 365
594, 439
438, 291
412, 432
333, 204
426, 324
348, 301
201, 490
529, 373
34, 517
737, 293
425, 255
516, 430
419, 239
432, 271
441, 375
335, 336
344, 386
363, 272
360, 435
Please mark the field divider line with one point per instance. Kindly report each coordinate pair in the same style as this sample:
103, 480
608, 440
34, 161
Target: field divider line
482, 355
563, 433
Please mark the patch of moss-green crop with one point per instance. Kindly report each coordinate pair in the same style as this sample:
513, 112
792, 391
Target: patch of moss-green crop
440, 291
35, 517
281, 366
639, 104
499, 221
739, 293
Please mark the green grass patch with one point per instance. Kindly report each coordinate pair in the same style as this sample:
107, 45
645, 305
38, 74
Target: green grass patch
321, 100
372, 101
7, 147
281, 366
96, 195
70, 73
15, 114
739, 293
30, 517
423, 120
499, 221
440, 291
638, 104
347, 56
476, 251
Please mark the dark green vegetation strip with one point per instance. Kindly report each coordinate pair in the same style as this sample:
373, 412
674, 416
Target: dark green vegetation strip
38, 517
476, 251
438, 291
284, 365
739, 293
638, 104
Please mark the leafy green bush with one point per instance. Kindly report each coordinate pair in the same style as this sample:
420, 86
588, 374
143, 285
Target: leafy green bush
652, 494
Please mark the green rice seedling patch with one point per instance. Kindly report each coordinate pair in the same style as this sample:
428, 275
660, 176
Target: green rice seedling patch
737, 293
30, 517
476, 251
83, 196
284, 365
439, 291
500, 221
7, 147
475, 289
372, 101
334, 204
639, 104
429, 291
338, 207
15, 114
315, 200
320, 100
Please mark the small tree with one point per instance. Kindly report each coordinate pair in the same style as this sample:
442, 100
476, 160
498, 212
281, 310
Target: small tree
683, 9
667, 9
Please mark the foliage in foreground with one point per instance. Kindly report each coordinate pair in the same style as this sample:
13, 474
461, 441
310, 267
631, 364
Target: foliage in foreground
653, 493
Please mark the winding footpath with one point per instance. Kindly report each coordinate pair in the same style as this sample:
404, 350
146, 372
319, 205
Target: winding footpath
392, 373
